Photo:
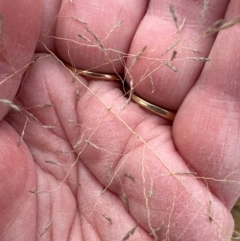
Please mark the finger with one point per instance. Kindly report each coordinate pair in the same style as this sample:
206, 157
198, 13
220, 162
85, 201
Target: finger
38, 119
159, 74
50, 10
19, 32
131, 154
207, 126
17, 178
96, 35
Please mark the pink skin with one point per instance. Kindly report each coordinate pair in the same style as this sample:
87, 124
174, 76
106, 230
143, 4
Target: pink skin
204, 137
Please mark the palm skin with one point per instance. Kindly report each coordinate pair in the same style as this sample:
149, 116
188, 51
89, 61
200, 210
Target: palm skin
89, 169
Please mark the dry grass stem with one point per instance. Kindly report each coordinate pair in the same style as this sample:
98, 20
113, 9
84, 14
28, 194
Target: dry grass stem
171, 47
170, 216
92, 144
199, 59
47, 227
150, 193
18, 71
210, 215
156, 230
171, 66
40, 106
193, 50
97, 39
48, 127
132, 178
64, 179
75, 183
182, 25
107, 217
53, 163
222, 24
109, 172
79, 20
23, 132
126, 201
205, 7
77, 95
77, 144
174, 54
85, 38
129, 233
29, 114
80, 140
130, 93
138, 55
152, 83
117, 25
37, 191
10, 104
185, 173
146, 197
172, 11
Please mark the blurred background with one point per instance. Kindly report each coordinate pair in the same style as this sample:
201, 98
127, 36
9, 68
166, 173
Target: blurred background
236, 216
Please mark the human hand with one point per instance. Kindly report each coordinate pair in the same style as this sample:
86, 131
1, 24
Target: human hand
75, 164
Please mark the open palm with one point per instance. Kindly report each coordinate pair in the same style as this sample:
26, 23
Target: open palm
77, 161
